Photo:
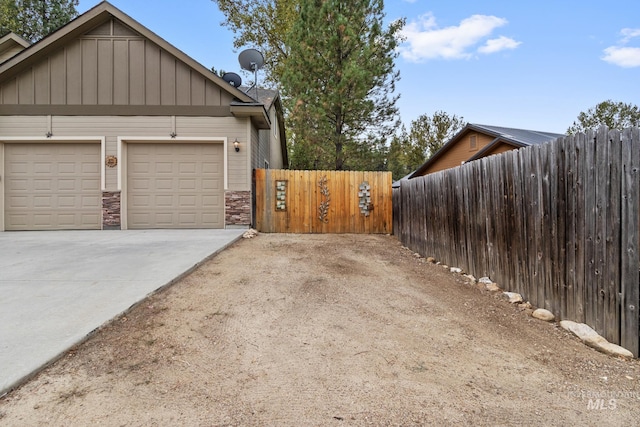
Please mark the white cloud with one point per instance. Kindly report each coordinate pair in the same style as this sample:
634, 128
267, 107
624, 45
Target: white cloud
425, 40
496, 45
622, 56
626, 57
628, 34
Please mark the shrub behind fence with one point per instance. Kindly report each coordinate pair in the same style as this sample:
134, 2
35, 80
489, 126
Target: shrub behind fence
557, 222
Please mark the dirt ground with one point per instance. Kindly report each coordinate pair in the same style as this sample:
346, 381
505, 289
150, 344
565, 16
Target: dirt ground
327, 330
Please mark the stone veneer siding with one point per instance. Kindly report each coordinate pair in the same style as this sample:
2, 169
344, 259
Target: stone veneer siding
110, 210
238, 208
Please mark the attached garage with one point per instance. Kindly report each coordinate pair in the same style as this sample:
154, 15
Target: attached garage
105, 125
52, 186
175, 185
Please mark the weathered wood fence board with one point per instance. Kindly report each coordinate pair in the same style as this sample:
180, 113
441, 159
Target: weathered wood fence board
558, 223
322, 202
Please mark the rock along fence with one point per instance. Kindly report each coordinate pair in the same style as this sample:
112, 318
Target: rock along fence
557, 223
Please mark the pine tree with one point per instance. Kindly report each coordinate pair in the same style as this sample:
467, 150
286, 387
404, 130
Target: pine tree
339, 82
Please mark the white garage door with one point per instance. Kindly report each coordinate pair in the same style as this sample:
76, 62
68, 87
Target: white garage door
53, 186
175, 185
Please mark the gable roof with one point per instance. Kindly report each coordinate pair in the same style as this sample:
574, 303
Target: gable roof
11, 44
92, 18
517, 138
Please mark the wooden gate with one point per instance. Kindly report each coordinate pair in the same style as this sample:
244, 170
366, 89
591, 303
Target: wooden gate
323, 201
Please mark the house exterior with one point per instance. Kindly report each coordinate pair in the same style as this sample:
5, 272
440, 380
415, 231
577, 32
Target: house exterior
104, 125
476, 141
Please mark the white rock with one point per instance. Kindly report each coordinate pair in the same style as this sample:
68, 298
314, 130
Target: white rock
493, 287
485, 280
543, 314
580, 330
593, 339
614, 350
250, 233
513, 297
456, 270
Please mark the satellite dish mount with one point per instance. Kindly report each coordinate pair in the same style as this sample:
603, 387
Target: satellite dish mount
252, 60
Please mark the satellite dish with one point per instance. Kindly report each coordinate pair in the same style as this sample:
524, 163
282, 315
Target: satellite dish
233, 79
251, 60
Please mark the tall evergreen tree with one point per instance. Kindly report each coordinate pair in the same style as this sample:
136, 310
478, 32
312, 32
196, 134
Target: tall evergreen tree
339, 82
35, 19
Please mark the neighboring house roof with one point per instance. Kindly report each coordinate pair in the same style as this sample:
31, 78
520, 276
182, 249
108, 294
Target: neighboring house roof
101, 13
396, 184
522, 136
10, 45
502, 135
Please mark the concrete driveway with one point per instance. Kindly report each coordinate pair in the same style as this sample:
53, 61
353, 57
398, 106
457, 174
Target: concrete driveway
58, 286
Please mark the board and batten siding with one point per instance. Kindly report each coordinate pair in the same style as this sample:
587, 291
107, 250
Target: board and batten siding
84, 73
460, 153
113, 127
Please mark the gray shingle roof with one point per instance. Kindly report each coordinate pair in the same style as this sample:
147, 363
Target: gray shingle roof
266, 96
526, 137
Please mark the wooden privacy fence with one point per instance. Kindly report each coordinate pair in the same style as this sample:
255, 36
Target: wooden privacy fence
557, 223
322, 201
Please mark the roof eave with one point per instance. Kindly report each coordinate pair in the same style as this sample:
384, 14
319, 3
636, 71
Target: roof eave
255, 111
14, 38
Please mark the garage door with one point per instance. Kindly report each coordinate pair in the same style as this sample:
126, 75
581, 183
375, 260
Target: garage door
175, 185
52, 186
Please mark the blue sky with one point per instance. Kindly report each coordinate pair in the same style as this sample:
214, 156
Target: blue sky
523, 64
